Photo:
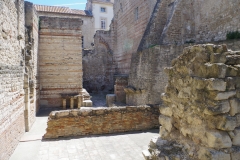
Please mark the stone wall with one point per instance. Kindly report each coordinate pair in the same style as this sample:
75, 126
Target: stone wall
101, 121
31, 62
87, 27
196, 21
12, 44
121, 82
98, 65
147, 79
200, 115
60, 59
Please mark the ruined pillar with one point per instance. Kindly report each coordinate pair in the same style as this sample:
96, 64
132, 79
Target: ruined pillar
71, 103
80, 101
200, 118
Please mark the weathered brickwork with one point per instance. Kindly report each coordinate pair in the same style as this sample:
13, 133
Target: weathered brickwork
200, 115
101, 121
98, 65
87, 27
131, 19
197, 21
12, 44
60, 59
31, 61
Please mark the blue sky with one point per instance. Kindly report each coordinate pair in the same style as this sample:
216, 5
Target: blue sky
73, 4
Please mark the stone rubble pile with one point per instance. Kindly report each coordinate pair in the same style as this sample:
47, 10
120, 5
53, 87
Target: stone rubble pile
200, 118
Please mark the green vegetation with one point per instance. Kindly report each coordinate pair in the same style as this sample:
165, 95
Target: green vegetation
190, 41
233, 35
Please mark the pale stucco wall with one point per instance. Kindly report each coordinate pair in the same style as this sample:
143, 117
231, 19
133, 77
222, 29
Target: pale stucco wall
97, 14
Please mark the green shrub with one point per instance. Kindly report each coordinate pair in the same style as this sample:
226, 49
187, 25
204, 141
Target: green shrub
233, 35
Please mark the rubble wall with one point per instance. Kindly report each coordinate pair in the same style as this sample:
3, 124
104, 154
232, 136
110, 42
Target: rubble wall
12, 44
60, 59
101, 121
98, 65
200, 116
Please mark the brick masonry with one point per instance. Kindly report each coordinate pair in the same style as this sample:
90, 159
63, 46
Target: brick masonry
60, 59
12, 44
101, 121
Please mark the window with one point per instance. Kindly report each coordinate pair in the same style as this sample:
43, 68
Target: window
103, 23
82, 41
103, 9
136, 13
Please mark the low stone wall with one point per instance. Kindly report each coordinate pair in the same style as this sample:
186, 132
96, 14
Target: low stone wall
95, 121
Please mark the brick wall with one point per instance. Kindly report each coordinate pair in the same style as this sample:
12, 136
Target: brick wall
101, 121
12, 43
87, 27
60, 59
129, 31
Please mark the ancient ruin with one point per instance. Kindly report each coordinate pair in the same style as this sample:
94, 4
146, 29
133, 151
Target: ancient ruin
200, 115
52, 59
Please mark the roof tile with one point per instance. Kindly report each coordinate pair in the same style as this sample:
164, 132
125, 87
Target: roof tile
57, 9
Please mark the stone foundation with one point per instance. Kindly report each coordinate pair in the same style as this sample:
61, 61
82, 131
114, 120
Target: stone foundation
200, 118
93, 121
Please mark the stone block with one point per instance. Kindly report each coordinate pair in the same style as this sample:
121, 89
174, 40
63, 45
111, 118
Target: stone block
210, 154
225, 95
199, 83
231, 71
233, 59
163, 132
230, 83
221, 107
226, 123
61, 114
146, 154
234, 106
87, 103
236, 137
217, 58
218, 139
216, 70
74, 112
166, 122
235, 155
167, 111
216, 84
111, 99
